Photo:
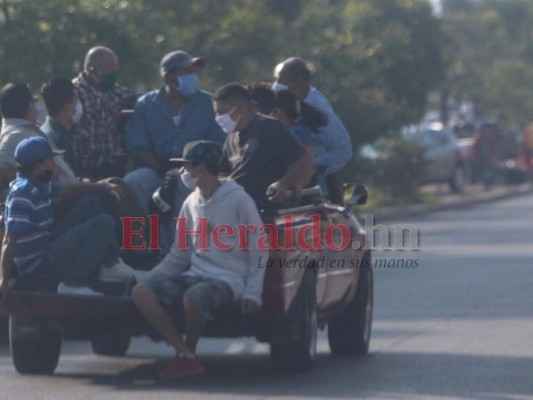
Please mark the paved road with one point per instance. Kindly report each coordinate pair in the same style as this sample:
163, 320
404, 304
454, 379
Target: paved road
460, 326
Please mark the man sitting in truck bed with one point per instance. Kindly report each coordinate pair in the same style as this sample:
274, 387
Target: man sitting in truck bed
82, 244
203, 279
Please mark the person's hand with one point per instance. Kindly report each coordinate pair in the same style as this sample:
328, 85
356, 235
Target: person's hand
277, 192
249, 306
114, 190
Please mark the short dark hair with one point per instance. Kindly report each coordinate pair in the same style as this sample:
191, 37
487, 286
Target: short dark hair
56, 93
15, 98
231, 92
297, 67
299, 111
263, 97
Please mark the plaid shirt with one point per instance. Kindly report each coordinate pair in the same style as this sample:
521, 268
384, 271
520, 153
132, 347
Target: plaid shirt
96, 139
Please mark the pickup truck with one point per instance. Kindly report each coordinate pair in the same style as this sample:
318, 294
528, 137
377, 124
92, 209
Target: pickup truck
305, 289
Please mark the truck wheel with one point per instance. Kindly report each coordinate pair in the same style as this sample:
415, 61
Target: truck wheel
349, 333
299, 356
110, 340
4, 329
35, 344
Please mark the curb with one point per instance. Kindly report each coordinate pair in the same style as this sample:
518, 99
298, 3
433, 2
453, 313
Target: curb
481, 198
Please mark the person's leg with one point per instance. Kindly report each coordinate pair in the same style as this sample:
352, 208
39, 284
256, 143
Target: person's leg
151, 308
167, 231
196, 322
199, 302
143, 182
82, 250
84, 209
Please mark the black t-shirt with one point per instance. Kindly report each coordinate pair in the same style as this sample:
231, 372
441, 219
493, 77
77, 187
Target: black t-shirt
259, 155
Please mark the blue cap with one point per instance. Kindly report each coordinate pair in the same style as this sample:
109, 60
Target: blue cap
33, 150
179, 59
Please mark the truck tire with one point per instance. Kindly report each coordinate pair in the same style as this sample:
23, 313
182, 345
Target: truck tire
299, 355
349, 333
110, 340
35, 344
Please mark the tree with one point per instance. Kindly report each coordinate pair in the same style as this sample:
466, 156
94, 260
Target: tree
492, 55
377, 60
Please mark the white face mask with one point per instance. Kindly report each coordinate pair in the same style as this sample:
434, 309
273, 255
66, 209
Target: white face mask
189, 182
79, 112
227, 123
279, 86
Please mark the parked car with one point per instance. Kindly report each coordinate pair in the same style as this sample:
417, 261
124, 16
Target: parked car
444, 161
304, 290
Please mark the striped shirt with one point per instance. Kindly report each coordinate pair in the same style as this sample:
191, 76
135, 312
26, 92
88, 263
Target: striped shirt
29, 213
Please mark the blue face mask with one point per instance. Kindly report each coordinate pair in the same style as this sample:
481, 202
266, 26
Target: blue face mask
187, 84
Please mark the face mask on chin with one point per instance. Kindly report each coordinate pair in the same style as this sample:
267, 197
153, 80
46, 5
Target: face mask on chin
189, 182
227, 123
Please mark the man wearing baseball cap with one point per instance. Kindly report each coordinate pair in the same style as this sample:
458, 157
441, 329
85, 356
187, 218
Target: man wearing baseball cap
204, 279
82, 244
165, 120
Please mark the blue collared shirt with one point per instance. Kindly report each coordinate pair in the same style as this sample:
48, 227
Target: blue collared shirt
332, 147
29, 213
152, 126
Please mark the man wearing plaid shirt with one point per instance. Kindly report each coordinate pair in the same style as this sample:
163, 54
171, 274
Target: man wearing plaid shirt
97, 143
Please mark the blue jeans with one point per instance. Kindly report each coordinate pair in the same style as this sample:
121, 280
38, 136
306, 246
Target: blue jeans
84, 241
143, 182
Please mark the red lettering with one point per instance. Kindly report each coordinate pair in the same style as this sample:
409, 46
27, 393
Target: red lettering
314, 230
129, 232
154, 232
182, 232
227, 231
330, 234
243, 235
269, 241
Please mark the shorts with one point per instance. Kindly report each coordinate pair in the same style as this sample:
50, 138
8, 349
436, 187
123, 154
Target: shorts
206, 294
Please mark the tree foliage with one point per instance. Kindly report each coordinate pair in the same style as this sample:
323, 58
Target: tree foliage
377, 60
491, 55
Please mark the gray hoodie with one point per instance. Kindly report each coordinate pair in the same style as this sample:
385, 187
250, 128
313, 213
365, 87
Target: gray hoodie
242, 269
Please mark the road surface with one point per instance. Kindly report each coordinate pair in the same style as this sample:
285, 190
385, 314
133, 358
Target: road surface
460, 326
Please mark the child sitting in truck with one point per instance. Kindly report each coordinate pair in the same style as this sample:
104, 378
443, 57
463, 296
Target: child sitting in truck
203, 278
81, 245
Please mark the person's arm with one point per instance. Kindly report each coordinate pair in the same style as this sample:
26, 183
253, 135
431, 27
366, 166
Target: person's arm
298, 174
88, 189
6, 260
337, 146
177, 259
17, 223
290, 152
137, 138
